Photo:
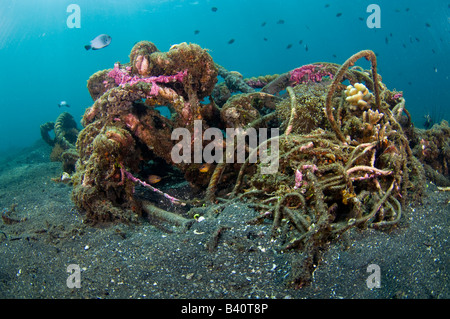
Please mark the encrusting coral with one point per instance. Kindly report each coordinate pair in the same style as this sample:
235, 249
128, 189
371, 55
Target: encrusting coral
339, 166
358, 95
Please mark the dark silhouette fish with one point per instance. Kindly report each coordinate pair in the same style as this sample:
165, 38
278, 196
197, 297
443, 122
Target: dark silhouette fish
300, 42
214, 9
231, 41
99, 42
263, 24
196, 31
338, 14
265, 39
289, 46
281, 21
386, 40
427, 25
306, 48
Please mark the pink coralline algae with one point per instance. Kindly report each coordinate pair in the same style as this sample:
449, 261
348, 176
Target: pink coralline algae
397, 95
256, 83
299, 176
123, 77
298, 179
308, 73
130, 176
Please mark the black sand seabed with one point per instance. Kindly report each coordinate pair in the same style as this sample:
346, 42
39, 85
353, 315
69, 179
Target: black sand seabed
142, 261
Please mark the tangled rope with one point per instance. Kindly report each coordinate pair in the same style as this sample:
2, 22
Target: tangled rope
331, 181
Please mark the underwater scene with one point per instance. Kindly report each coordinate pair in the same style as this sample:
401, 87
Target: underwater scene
200, 151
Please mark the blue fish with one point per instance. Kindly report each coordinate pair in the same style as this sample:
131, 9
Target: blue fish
63, 104
101, 41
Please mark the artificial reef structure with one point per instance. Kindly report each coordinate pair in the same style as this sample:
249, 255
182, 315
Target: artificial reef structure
343, 158
432, 148
124, 130
63, 144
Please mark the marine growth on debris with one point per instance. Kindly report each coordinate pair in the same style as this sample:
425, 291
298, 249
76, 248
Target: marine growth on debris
339, 166
63, 144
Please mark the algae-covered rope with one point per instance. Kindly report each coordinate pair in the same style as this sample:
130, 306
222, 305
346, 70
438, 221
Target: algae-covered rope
369, 55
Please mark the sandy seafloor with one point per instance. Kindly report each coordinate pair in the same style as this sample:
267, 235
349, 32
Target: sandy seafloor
142, 261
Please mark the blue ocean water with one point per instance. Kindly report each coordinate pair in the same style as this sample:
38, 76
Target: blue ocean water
44, 60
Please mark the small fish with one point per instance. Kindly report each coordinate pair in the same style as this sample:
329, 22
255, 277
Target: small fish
300, 42
417, 39
265, 39
338, 14
196, 31
427, 25
204, 168
231, 41
153, 179
99, 42
334, 56
361, 19
327, 5
263, 24
428, 121
435, 69
404, 45
397, 10
407, 9
281, 21
410, 83
432, 50
386, 40
63, 104
289, 46
390, 34
214, 9
306, 48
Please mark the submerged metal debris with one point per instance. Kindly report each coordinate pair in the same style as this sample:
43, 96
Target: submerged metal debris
342, 162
